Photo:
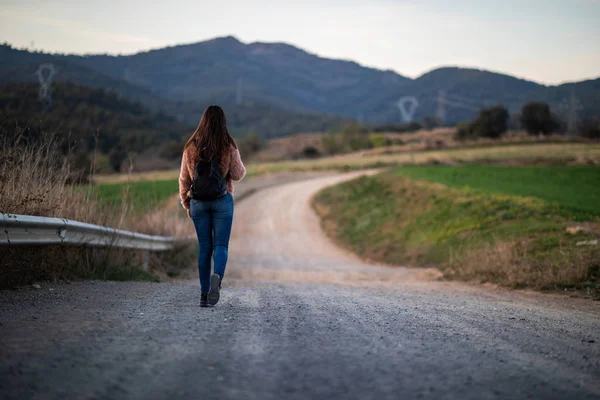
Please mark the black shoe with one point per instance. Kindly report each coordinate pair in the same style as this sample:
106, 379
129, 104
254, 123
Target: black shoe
204, 300
215, 286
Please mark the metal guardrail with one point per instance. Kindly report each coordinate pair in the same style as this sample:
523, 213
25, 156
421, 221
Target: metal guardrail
31, 230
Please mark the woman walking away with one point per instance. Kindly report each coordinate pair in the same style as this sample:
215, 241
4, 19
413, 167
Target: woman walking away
210, 162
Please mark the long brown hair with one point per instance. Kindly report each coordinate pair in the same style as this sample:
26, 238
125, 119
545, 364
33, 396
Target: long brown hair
211, 138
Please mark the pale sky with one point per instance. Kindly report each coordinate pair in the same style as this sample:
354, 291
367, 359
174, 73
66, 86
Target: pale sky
548, 41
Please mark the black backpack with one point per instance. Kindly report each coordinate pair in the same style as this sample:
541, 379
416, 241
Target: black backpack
207, 183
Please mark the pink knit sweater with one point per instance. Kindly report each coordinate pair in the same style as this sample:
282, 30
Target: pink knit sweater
232, 169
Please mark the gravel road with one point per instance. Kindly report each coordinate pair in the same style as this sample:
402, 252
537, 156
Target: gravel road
299, 318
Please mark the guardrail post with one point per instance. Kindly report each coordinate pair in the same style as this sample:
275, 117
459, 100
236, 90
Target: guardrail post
4, 233
146, 259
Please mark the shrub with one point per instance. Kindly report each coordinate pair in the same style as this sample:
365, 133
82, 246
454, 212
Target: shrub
352, 137
491, 123
590, 128
331, 144
379, 141
116, 157
536, 118
310, 152
250, 143
399, 128
430, 122
463, 132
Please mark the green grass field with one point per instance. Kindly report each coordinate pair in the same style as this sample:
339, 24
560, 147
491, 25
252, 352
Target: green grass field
573, 189
142, 195
495, 224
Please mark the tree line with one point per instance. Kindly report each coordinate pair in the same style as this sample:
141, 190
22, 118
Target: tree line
88, 120
85, 120
535, 118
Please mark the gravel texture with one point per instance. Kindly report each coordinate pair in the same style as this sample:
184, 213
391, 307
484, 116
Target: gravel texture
298, 318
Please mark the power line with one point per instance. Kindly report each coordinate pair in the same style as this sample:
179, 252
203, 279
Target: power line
461, 105
461, 99
458, 98
445, 100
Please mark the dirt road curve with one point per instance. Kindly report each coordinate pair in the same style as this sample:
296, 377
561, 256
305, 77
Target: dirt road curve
299, 319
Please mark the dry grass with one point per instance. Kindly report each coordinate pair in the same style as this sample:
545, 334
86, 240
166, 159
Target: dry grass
581, 153
443, 138
35, 180
483, 152
165, 175
289, 147
170, 219
511, 264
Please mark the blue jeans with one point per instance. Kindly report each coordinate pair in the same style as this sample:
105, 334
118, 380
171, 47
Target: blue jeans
212, 220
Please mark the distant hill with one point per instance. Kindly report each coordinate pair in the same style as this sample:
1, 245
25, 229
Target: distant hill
464, 91
79, 115
255, 113
259, 81
25, 72
276, 73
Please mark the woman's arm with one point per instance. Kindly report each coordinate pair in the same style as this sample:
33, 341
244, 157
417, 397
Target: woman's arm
185, 182
236, 166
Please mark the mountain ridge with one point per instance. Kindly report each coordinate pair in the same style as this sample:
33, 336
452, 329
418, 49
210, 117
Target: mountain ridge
233, 38
278, 75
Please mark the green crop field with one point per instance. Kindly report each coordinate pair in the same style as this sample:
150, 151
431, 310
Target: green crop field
506, 225
141, 195
575, 188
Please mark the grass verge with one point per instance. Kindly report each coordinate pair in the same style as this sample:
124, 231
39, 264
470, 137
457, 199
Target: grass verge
36, 180
474, 228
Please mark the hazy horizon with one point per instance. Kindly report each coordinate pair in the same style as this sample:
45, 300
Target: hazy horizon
548, 42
